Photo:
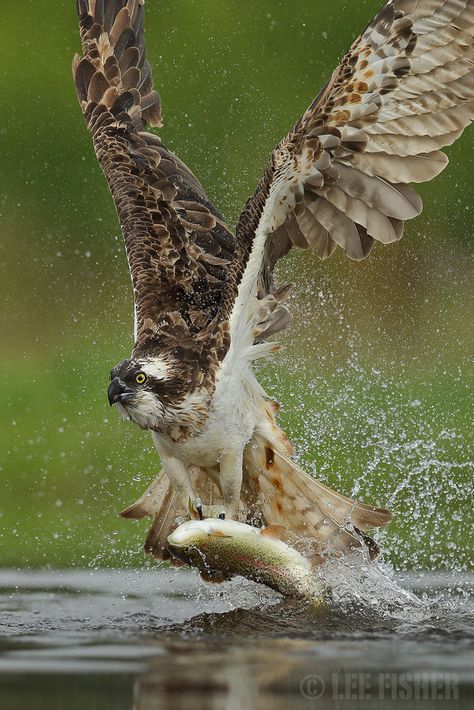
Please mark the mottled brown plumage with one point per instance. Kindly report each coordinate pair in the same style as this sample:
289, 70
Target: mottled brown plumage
177, 244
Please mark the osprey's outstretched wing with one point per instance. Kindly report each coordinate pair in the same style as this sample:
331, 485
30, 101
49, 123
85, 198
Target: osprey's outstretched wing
341, 177
177, 244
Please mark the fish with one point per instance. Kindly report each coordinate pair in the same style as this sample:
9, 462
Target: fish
221, 549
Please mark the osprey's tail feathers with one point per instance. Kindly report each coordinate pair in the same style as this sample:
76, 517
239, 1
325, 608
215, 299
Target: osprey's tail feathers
161, 503
277, 491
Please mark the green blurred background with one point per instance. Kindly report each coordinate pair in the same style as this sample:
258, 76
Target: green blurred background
374, 378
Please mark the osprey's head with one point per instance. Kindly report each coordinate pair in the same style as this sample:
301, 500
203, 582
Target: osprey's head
141, 389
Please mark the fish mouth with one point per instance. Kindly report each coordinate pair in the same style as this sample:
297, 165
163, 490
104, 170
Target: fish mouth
191, 552
179, 553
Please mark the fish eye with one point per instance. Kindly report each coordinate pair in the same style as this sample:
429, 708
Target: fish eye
140, 378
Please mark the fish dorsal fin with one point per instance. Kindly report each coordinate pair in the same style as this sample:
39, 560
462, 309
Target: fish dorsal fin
276, 532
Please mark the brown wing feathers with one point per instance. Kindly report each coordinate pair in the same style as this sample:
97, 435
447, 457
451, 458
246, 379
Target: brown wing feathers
177, 243
403, 91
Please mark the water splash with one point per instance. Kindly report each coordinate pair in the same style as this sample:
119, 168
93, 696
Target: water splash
355, 585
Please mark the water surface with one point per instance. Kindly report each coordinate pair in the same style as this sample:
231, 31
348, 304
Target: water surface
164, 639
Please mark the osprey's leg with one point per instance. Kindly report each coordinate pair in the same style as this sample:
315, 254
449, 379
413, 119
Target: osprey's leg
180, 479
231, 472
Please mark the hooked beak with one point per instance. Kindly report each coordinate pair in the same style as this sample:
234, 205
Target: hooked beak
118, 392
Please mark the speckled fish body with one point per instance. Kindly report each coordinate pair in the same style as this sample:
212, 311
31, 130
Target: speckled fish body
233, 548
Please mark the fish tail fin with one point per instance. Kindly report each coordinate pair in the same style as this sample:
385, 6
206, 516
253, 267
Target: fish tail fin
281, 493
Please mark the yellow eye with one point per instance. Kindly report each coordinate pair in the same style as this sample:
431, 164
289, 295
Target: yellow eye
140, 378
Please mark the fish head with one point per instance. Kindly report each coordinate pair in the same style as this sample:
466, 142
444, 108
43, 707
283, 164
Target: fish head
207, 543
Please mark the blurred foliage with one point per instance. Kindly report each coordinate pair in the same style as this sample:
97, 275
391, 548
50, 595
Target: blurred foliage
374, 377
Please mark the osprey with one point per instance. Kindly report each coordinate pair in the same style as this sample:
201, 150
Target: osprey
205, 299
